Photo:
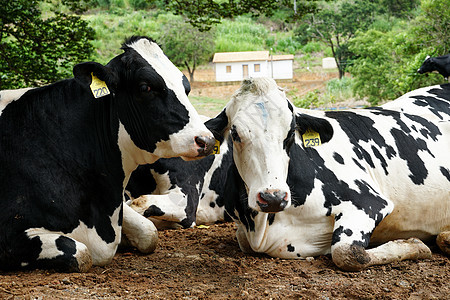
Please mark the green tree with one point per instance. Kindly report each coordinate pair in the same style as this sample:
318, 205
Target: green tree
387, 62
185, 45
337, 22
203, 14
431, 28
35, 50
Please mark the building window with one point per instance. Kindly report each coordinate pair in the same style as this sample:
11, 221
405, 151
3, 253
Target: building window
228, 69
257, 68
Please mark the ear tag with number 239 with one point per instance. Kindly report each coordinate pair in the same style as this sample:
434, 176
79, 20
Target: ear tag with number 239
311, 138
98, 87
216, 148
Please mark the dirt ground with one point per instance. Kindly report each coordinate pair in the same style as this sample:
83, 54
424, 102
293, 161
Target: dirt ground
206, 263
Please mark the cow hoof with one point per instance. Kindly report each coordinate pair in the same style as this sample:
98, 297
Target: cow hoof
443, 241
148, 242
423, 251
84, 260
350, 257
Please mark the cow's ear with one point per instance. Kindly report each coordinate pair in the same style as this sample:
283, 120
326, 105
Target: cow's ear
218, 125
319, 125
83, 73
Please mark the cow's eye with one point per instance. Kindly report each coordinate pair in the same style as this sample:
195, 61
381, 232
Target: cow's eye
144, 88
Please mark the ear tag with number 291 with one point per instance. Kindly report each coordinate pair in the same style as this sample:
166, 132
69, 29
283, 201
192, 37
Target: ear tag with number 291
311, 138
98, 87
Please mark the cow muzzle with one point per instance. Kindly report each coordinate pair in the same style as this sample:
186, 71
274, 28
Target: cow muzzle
205, 145
272, 201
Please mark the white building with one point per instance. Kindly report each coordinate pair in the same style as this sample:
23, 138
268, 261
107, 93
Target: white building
236, 66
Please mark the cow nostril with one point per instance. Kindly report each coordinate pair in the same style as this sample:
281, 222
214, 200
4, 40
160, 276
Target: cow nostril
272, 201
200, 141
205, 144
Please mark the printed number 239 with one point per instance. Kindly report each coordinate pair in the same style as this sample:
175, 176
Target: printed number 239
312, 142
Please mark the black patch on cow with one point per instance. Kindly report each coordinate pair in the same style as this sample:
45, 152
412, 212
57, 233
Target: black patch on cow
361, 129
445, 172
218, 125
290, 138
212, 204
290, 248
153, 211
381, 159
336, 238
362, 154
234, 134
219, 176
428, 129
337, 157
359, 165
338, 216
408, 148
271, 218
291, 108
141, 182
443, 93
187, 85
236, 199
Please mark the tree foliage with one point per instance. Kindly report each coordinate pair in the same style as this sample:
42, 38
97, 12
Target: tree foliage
35, 50
336, 23
387, 62
185, 45
203, 14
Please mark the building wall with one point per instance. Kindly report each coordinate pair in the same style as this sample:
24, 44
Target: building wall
282, 69
237, 70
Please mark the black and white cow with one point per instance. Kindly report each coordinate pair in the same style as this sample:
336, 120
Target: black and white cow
66, 156
173, 192
440, 64
307, 183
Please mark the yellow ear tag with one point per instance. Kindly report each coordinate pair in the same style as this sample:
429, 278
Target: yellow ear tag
98, 87
216, 148
311, 138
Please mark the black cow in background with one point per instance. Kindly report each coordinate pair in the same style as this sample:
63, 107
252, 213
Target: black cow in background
67, 151
440, 64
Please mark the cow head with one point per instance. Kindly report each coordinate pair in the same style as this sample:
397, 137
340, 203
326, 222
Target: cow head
261, 123
427, 66
150, 93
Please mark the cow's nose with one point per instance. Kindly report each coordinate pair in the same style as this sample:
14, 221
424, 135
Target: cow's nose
205, 145
272, 201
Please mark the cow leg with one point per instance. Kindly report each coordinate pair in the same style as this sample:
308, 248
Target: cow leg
139, 231
443, 241
59, 252
170, 207
355, 257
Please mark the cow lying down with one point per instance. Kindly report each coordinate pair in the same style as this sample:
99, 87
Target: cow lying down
68, 149
175, 193
366, 185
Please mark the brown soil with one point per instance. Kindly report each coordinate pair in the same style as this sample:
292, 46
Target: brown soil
206, 263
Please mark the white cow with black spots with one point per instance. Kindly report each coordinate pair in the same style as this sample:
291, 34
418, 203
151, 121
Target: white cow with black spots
373, 185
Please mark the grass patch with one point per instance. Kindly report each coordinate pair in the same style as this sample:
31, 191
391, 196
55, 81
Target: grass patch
208, 106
